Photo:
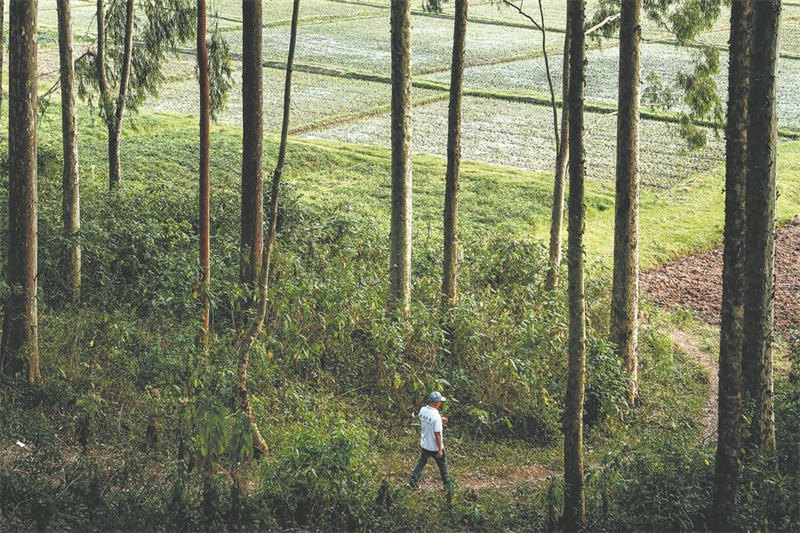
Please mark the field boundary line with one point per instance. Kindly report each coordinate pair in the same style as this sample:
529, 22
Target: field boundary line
374, 112
697, 45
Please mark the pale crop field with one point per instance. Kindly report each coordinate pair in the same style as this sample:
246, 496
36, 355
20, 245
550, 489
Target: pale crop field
364, 46
316, 99
503, 58
520, 135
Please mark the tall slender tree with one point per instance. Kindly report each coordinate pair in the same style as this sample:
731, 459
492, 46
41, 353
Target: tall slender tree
134, 72
2, 43
111, 112
762, 156
263, 276
205, 163
400, 234
71, 211
729, 441
574, 508
252, 238
450, 263
559, 184
625, 289
20, 327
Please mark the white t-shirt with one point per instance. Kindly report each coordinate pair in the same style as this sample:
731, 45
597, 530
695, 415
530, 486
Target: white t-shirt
431, 422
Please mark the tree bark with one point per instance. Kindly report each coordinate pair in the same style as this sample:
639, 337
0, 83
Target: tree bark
624, 330
400, 234
557, 218
205, 163
450, 256
729, 441
263, 277
20, 328
762, 154
574, 506
71, 213
2, 22
252, 239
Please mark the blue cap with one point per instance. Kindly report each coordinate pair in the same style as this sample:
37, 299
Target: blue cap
436, 396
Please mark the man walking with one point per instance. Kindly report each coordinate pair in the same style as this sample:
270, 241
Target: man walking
431, 443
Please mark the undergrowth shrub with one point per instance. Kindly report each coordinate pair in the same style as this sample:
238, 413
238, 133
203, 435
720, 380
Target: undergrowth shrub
321, 479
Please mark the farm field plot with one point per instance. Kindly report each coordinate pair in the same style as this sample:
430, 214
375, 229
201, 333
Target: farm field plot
316, 99
790, 30
280, 12
83, 18
521, 135
364, 46
529, 76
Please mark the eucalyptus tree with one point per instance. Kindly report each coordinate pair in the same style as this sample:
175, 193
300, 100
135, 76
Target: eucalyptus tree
2, 43
450, 262
19, 347
71, 212
252, 221
205, 164
129, 53
400, 232
562, 159
728, 456
624, 330
263, 276
574, 507
214, 79
759, 274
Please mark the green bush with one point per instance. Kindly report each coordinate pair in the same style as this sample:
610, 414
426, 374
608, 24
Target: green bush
322, 480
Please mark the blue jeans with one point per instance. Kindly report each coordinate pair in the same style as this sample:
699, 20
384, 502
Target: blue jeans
441, 462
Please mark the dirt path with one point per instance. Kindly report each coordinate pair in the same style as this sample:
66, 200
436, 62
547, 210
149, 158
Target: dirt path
688, 345
477, 480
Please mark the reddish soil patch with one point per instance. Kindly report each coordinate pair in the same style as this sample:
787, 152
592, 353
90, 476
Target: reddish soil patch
695, 282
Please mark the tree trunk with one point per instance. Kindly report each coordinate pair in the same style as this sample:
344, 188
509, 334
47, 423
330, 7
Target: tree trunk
71, 213
252, 239
114, 120
205, 162
263, 277
20, 329
557, 218
574, 508
625, 290
400, 235
450, 267
2, 22
100, 59
729, 441
762, 154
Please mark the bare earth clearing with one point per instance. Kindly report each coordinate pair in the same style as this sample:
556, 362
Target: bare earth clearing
695, 282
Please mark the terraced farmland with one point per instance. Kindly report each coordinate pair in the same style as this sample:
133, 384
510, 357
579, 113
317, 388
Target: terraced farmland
521, 135
317, 100
342, 91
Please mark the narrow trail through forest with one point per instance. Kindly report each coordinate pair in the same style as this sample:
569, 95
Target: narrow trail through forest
687, 344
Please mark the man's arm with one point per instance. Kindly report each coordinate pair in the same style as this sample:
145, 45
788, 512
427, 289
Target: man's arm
439, 443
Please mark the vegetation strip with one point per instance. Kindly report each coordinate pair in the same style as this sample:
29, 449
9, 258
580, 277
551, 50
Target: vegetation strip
700, 46
369, 113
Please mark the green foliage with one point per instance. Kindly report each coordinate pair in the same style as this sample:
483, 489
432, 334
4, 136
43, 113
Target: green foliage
220, 72
432, 6
165, 25
607, 383
322, 478
702, 98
